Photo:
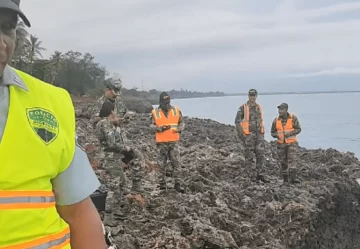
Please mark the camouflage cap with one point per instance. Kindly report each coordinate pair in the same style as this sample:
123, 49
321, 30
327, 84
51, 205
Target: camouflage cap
116, 87
252, 92
14, 5
283, 106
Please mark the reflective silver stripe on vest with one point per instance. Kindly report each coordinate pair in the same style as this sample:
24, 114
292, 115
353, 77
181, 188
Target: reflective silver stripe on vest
157, 113
52, 243
175, 111
246, 113
27, 199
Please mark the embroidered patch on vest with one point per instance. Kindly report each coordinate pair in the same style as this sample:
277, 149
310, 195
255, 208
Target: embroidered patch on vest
44, 124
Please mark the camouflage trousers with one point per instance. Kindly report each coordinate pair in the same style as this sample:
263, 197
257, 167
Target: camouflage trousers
136, 160
133, 158
287, 155
169, 151
255, 145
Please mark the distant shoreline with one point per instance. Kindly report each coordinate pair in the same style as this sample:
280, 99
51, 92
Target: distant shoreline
265, 93
297, 92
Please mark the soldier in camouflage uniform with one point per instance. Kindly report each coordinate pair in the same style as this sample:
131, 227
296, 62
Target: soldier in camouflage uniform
112, 93
117, 148
285, 128
167, 124
250, 129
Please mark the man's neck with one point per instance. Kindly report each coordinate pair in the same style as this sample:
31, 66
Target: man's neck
164, 108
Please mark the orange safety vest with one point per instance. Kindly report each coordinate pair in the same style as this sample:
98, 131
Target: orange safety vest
172, 119
284, 129
245, 122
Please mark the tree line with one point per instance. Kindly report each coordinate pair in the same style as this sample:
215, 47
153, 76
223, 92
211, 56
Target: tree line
77, 72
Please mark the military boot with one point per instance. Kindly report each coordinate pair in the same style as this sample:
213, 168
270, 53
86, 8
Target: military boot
162, 181
293, 178
118, 210
136, 186
123, 190
253, 178
120, 215
162, 185
178, 187
262, 178
285, 179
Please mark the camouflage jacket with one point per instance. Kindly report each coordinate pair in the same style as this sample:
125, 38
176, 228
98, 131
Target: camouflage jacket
110, 136
254, 115
120, 107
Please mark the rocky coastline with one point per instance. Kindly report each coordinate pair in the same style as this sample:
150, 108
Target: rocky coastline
221, 207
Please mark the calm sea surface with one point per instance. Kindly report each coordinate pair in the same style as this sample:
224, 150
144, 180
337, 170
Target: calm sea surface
327, 120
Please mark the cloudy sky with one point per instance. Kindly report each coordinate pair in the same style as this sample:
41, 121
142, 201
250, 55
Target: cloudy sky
209, 45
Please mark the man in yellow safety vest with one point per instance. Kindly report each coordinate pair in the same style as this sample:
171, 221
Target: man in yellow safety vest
45, 177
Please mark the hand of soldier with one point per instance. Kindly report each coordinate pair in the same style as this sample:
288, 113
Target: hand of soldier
163, 128
117, 120
97, 119
114, 120
166, 127
288, 134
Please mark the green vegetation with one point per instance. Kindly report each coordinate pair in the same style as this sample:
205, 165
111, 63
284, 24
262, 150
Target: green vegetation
153, 94
78, 73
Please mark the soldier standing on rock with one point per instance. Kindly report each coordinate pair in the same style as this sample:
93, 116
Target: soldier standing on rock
112, 93
285, 128
116, 149
167, 123
250, 129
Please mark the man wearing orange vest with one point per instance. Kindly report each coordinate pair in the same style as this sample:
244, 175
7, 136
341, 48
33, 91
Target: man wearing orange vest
45, 178
285, 128
167, 124
250, 128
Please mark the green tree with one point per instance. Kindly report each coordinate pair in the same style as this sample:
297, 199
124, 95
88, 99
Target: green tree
33, 48
21, 40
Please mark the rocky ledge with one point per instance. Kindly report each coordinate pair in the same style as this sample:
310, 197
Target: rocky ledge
221, 207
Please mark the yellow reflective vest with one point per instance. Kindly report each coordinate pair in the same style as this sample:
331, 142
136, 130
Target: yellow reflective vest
38, 143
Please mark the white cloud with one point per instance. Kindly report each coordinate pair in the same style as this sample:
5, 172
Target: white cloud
169, 42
